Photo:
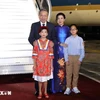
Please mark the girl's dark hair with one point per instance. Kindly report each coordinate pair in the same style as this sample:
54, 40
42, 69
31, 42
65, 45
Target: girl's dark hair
59, 15
74, 25
43, 27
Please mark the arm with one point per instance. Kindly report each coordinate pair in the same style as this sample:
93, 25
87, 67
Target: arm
34, 65
63, 44
35, 50
51, 55
66, 54
69, 34
31, 38
66, 51
52, 64
34, 54
82, 51
54, 37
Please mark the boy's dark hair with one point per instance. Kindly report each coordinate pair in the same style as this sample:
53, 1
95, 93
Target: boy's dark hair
42, 10
74, 25
43, 27
59, 15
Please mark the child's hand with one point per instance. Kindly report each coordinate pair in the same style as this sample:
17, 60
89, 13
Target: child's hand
52, 68
67, 63
79, 62
34, 67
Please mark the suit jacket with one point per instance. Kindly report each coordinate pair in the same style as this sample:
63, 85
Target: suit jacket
34, 34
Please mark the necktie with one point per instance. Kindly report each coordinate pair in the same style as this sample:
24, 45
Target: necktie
43, 24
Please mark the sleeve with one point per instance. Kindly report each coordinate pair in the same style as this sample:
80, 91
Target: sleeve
31, 38
35, 50
66, 51
82, 51
54, 37
51, 54
69, 34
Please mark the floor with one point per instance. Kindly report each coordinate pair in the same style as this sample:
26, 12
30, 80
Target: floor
22, 88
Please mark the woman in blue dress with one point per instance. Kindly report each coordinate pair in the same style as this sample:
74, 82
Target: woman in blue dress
62, 32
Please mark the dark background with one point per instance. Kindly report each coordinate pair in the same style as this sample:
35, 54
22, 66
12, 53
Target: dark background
73, 2
89, 32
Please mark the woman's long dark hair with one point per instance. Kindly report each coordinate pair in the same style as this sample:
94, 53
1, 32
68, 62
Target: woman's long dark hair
62, 14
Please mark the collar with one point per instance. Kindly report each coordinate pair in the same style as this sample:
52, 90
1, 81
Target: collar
43, 23
61, 26
74, 36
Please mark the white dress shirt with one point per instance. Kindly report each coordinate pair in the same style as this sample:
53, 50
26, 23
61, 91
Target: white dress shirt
45, 24
75, 47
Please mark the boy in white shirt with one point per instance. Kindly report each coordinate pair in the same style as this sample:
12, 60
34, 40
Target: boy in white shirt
73, 54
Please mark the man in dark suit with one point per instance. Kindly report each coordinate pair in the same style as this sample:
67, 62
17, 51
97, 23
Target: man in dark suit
34, 35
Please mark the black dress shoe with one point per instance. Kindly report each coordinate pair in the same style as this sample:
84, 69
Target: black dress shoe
36, 93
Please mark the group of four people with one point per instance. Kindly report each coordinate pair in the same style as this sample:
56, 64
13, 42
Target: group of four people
57, 53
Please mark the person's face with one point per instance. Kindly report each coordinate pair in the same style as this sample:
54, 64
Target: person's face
60, 20
43, 33
43, 16
73, 30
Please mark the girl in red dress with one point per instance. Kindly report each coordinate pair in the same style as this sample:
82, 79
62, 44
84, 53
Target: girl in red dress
43, 55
